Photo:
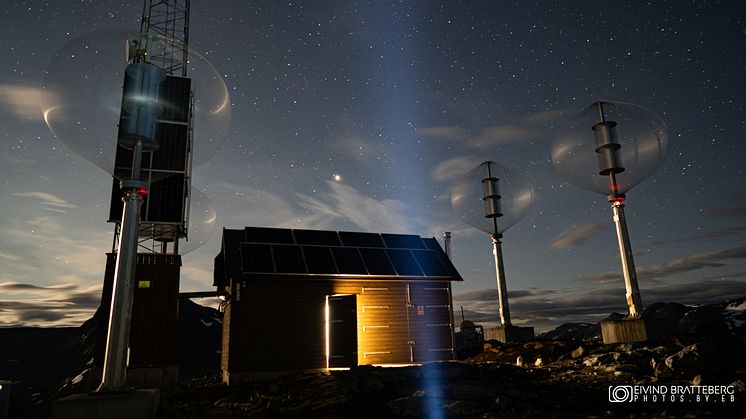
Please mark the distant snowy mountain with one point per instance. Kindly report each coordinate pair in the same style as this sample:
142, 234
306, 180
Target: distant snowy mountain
709, 320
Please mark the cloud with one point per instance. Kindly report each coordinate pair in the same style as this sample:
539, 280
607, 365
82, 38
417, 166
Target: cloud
343, 203
504, 134
62, 305
21, 101
48, 201
497, 135
257, 207
576, 236
445, 133
491, 294
549, 308
714, 233
532, 127
17, 287
36, 247
451, 169
731, 211
687, 264
361, 147
545, 117
337, 206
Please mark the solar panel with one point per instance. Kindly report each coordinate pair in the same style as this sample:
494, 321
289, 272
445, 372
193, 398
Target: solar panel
349, 261
172, 143
431, 243
292, 253
404, 262
176, 92
403, 241
165, 200
361, 239
319, 260
317, 237
377, 262
269, 235
231, 247
219, 277
256, 258
288, 259
430, 263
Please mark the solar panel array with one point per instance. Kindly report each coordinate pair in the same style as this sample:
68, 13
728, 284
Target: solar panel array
165, 169
266, 250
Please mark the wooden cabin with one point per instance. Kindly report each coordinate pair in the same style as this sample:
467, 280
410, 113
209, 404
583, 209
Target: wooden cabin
311, 299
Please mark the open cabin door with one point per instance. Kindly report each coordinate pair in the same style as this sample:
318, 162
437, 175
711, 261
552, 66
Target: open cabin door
341, 331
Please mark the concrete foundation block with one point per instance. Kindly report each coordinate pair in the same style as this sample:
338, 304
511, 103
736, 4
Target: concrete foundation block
510, 334
636, 329
164, 378
110, 405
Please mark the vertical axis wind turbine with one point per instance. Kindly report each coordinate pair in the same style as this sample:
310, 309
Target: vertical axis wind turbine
140, 129
611, 156
482, 196
158, 115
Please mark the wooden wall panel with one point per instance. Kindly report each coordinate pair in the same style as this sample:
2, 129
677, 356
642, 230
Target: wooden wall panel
279, 325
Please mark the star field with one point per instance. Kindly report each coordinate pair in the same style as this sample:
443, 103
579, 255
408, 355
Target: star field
354, 115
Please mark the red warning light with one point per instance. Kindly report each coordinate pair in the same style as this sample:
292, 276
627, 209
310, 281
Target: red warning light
142, 191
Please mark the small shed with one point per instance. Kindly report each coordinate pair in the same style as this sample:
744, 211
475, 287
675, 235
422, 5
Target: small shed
312, 299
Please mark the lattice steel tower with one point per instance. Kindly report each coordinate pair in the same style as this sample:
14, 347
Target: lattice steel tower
167, 170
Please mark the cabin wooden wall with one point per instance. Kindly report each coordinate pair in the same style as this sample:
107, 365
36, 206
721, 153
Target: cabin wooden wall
280, 325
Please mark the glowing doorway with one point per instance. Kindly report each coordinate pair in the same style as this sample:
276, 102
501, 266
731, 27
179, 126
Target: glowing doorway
341, 331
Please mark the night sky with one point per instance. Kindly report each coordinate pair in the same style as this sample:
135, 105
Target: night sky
360, 116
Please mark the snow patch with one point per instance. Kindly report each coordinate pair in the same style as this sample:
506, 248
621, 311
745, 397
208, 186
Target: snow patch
78, 378
737, 307
731, 311
207, 324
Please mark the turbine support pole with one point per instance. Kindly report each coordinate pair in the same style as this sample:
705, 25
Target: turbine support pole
625, 250
120, 314
502, 289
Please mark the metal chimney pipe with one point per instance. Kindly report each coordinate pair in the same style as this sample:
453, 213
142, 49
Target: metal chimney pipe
447, 243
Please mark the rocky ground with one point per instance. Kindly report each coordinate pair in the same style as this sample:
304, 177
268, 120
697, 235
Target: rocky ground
567, 372
555, 379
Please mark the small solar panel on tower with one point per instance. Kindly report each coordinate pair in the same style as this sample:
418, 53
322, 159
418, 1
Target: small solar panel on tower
361, 239
172, 143
403, 241
404, 262
288, 259
256, 258
176, 92
316, 237
349, 261
269, 235
319, 260
430, 263
377, 262
165, 201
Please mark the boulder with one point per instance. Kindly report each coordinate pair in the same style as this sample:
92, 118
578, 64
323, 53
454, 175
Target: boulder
579, 352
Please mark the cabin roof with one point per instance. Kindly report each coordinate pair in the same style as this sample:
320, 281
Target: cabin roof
263, 252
